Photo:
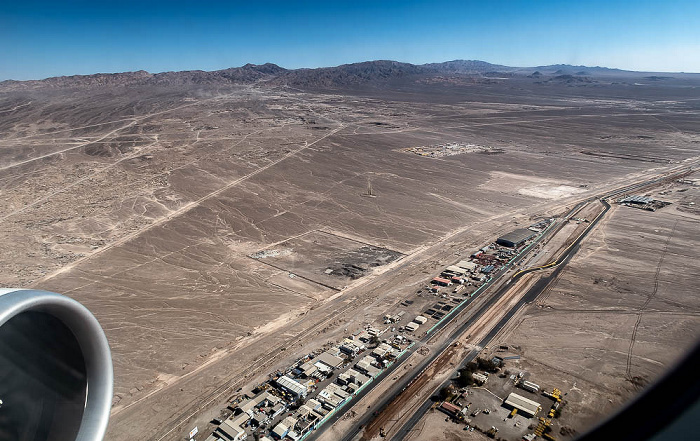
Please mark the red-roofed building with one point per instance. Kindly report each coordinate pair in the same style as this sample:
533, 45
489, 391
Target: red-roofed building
440, 281
450, 408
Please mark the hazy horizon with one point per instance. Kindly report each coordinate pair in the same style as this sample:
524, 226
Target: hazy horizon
355, 62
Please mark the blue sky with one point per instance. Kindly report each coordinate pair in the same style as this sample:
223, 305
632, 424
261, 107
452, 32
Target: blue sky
40, 39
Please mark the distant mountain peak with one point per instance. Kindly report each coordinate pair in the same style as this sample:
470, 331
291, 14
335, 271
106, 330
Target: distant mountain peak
467, 66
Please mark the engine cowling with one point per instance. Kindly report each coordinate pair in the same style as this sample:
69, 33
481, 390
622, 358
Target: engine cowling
56, 378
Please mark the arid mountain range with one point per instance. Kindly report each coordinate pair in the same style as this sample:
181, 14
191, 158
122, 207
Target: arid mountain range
374, 72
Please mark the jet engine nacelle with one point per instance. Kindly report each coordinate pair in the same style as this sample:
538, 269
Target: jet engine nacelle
55, 369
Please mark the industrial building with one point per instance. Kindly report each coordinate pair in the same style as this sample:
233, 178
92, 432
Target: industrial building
440, 281
232, 428
454, 269
515, 237
641, 200
365, 365
480, 378
411, 327
263, 399
308, 369
313, 404
283, 428
295, 388
467, 265
261, 414
331, 360
530, 386
383, 350
450, 409
332, 396
524, 405
351, 376
350, 348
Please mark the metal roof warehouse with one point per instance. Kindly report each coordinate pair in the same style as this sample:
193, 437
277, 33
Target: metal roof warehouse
455, 269
292, 386
467, 265
637, 200
515, 237
330, 360
523, 404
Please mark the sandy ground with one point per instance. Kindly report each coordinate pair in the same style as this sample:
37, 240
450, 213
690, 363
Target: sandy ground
620, 314
436, 423
145, 205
